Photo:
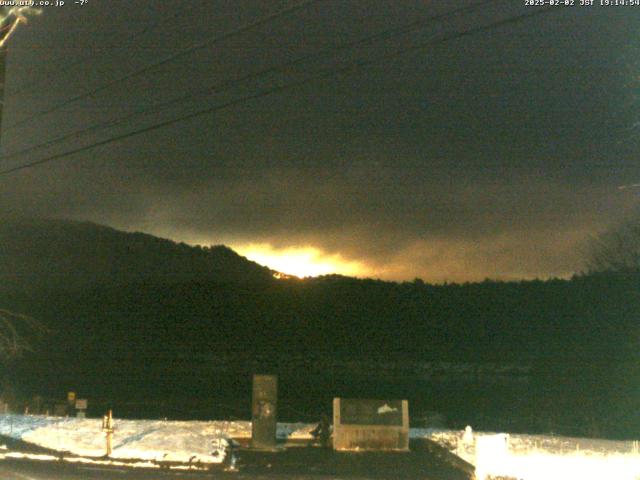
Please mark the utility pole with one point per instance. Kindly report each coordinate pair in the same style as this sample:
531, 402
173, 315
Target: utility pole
3, 66
10, 19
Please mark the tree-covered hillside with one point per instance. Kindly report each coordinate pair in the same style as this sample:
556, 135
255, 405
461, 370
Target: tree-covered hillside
112, 300
95, 283
52, 255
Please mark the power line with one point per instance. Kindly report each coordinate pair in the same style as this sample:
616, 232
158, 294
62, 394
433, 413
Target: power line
229, 83
80, 61
347, 69
166, 60
279, 88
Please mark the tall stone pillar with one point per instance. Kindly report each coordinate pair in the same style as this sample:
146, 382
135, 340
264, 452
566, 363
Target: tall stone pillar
264, 412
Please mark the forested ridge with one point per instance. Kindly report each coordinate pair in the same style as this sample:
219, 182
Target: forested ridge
579, 335
92, 281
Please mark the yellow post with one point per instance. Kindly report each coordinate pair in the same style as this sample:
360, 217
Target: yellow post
107, 428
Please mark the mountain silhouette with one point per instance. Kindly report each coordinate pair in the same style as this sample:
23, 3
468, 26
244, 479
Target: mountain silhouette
59, 254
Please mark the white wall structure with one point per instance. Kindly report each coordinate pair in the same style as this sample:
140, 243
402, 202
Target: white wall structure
541, 457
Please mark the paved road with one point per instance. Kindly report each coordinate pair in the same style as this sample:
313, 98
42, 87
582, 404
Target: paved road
37, 470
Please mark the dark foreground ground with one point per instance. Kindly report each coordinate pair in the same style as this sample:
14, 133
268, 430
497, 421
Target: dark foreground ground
23, 470
425, 461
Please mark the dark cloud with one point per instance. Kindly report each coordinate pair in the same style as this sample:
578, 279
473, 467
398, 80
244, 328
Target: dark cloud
488, 156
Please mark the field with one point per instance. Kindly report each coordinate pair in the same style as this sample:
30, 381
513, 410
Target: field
198, 444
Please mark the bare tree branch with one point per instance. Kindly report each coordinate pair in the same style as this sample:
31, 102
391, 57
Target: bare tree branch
617, 250
18, 333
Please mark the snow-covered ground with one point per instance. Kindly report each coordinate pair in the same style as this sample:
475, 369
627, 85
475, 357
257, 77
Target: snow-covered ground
540, 457
152, 440
526, 457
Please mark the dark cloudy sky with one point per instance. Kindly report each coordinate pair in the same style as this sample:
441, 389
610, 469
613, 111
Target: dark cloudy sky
488, 155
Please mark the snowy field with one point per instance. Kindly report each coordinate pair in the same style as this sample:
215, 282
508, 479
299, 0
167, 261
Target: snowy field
151, 440
540, 457
526, 457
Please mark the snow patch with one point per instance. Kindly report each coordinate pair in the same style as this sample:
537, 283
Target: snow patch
189, 442
386, 409
526, 457
539, 457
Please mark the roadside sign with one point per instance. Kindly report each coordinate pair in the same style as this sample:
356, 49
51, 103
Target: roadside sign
365, 424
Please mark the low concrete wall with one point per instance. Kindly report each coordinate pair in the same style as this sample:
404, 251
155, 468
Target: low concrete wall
364, 431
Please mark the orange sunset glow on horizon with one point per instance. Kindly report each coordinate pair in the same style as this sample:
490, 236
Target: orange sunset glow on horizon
301, 262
